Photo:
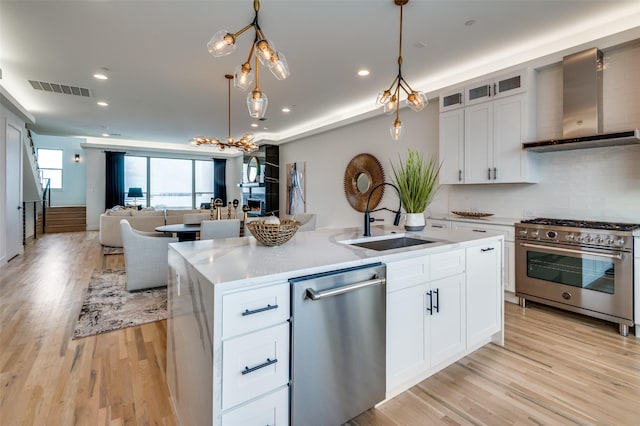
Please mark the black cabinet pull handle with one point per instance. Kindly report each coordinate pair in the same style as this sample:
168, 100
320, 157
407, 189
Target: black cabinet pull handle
460, 175
267, 363
430, 308
479, 230
437, 305
487, 249
489, 173
256, 311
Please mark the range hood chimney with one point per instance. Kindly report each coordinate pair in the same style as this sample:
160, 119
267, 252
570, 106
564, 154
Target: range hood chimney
582, 108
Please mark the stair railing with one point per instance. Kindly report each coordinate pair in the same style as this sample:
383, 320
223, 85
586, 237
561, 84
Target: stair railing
46, 202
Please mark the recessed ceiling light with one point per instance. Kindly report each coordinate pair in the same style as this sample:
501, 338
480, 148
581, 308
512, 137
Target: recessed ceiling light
265, 128
285, 109
103, 103
363, 73
100, 76
254, 125
105, 135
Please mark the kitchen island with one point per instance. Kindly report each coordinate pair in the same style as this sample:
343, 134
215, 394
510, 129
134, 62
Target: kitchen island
229, 308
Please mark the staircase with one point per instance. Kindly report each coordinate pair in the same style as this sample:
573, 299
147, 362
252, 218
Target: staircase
65, 219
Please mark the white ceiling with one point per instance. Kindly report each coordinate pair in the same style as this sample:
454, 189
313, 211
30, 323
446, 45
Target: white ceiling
164, 86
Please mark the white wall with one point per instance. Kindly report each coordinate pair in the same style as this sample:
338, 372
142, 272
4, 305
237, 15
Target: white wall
73, 174
327, 155
596, 184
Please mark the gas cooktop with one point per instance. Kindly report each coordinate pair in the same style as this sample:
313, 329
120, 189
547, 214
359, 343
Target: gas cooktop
610, 226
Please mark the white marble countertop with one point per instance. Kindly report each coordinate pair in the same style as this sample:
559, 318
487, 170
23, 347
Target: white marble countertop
244, 260
489, 220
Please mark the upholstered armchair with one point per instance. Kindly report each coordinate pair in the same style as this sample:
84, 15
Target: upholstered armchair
211, 229
145, 256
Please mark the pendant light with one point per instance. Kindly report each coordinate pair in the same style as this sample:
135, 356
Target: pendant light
245, 143
390, 99
223, 43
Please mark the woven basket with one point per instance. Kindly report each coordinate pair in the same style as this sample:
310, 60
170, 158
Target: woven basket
270, 235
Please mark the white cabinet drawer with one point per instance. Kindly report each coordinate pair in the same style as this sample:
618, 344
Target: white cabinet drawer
271, 409
447, 264
407, 273
251, 310
254, 364
507, 231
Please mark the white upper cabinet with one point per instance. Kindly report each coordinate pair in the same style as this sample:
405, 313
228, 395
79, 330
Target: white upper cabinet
482, 141
452, 99
495, 88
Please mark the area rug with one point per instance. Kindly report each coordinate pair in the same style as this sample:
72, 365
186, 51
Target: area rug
112, 250
109, 306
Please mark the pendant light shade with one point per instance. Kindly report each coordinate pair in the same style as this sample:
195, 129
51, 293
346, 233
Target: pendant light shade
257, 103
390, 99
243, 76
396, 130
223, 43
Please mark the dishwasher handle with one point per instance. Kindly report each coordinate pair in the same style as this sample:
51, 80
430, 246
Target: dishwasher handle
319, 295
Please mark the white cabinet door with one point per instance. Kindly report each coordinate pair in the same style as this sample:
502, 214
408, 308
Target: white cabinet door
509, 129
405, 334
478, 139
452, 147
483, 292
509, 266
446, 319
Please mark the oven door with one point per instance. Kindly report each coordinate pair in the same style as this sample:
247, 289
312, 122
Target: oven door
593, 282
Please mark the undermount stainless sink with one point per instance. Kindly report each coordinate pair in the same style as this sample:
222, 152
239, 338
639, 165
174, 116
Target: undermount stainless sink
390, 243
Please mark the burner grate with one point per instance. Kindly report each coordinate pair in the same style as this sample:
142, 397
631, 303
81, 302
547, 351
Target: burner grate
609, 226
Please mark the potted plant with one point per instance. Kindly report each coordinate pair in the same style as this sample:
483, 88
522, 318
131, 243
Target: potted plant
416, 179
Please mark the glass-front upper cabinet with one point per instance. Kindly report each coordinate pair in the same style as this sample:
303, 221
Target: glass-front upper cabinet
452, 99
504, 85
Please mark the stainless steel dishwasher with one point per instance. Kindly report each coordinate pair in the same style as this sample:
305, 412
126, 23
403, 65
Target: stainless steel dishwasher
338, 344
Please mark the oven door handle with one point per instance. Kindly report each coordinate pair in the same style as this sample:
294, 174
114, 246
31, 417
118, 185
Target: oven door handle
565, 250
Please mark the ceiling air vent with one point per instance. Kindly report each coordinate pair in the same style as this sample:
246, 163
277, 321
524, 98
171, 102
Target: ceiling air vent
60, 88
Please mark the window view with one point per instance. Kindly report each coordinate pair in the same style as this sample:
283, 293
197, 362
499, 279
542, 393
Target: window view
135, 176
203, 182
50, 164
189, 184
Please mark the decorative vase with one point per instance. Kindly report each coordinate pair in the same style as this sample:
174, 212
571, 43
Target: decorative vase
414, 222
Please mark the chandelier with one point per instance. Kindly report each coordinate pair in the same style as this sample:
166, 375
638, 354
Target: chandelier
245, 143
390, 98
223, 43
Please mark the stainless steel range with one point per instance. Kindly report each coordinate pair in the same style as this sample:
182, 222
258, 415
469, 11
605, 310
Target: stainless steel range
580, 266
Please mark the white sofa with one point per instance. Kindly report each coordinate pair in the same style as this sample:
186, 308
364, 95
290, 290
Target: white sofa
141, 220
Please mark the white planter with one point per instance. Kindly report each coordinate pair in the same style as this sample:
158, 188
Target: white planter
414, 222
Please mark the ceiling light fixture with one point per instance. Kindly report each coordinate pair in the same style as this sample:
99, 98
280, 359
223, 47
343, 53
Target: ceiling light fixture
223, 43
245, 143
102, 103
390, 98
363, 73
100, 77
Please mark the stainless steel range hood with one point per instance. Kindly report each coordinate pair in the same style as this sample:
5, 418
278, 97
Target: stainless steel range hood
582, 108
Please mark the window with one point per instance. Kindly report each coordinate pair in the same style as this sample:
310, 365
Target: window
169, 182
50, 164
203, 182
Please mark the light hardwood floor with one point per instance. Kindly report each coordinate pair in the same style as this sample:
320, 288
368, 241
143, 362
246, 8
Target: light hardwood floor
555, 369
